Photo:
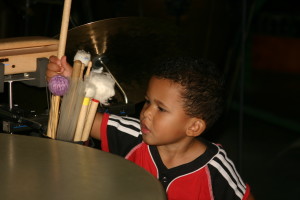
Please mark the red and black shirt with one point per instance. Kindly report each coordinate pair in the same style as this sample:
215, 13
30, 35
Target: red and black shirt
211, 176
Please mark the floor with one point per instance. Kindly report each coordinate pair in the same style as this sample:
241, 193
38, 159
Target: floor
264, 143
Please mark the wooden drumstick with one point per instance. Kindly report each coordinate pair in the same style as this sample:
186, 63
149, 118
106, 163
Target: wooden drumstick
87, 73
84, 109
102, 84
89, 120
70, 105
55, 100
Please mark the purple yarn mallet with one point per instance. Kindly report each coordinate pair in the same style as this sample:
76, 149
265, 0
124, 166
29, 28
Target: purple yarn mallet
58, 85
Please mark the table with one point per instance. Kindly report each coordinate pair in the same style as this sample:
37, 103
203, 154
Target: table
41, 168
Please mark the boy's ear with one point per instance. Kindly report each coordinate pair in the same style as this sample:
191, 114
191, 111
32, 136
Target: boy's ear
196, 127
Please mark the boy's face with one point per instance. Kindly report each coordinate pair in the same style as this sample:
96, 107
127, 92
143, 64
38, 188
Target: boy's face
163, 120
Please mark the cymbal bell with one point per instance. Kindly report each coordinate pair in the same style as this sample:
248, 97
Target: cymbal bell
131, 46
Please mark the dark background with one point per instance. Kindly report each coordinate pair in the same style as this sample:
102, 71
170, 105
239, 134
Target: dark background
255, 43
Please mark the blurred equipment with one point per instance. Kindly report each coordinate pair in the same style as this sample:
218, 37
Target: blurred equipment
22, 122
23, 59
19, 54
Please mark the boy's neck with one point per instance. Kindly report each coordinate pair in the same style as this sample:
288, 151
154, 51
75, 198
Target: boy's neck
179, 154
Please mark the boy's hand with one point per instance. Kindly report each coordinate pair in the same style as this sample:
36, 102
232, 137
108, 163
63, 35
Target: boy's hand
58, 66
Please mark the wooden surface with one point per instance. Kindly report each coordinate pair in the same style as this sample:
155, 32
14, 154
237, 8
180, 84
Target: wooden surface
21, 53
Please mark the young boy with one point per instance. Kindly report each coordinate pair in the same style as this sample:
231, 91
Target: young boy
183, 99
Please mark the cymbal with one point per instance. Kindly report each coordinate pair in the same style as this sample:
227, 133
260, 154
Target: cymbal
131, 45
39, 168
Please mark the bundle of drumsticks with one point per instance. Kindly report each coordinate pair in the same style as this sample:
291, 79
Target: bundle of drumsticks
79, 104
71, 118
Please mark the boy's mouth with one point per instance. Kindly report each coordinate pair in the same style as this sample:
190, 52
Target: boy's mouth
144, 129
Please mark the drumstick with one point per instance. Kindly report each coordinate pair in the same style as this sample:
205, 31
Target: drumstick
69, 106
55, 100
81, 71
89, 120
103, 86
72, 101
87, 73
85, 58
84, 108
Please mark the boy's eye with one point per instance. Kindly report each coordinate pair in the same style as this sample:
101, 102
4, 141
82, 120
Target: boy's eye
147, 102
161, 109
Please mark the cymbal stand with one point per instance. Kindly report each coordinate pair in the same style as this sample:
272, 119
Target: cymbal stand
12, 78
100, 58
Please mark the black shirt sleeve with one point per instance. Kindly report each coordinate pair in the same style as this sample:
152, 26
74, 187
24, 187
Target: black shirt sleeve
123, 134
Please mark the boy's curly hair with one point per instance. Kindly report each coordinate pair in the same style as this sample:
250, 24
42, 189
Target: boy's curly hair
203, 86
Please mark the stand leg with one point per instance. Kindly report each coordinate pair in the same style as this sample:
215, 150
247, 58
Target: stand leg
10, 95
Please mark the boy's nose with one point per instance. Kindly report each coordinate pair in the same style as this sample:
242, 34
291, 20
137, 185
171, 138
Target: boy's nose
148, 111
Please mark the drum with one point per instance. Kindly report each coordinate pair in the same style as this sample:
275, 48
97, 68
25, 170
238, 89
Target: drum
41, 168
